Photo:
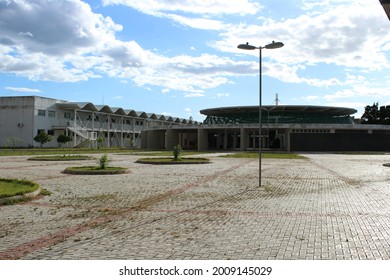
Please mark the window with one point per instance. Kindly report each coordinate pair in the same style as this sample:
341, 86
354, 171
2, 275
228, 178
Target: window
50, 132
39, 131
67, 115
51, 114
41, 113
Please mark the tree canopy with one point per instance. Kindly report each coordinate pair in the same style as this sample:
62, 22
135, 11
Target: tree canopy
376, 115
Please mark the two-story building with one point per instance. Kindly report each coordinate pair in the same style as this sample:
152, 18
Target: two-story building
22, 118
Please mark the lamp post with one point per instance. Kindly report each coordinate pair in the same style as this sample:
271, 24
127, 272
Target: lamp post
273, 45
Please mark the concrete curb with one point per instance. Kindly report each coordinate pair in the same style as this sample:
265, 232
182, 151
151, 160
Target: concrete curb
6, 200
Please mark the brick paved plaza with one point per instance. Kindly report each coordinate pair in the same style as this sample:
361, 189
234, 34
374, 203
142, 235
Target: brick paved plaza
328, 206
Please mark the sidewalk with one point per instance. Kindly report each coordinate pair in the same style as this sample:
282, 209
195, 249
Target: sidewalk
324, 207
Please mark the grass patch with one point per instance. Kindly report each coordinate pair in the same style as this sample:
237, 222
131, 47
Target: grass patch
61, 158
13, 187
62, 151
167, 160
264, 155
95, 170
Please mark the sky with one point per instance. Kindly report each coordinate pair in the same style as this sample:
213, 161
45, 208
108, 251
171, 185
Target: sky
177, 57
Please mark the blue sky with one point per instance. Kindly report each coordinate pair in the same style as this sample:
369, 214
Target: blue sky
176, 57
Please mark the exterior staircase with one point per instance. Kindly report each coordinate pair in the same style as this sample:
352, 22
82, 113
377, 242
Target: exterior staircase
86, 135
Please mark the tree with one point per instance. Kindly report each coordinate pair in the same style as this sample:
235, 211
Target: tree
100, 141
42, 138
376, 115
371, 114
63, 139
384, 114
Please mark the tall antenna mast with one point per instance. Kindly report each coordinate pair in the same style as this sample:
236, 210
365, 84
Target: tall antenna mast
277, 99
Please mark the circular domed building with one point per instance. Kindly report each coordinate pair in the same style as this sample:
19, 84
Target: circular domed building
283, 127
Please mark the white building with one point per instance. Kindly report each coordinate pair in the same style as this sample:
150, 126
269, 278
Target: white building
22, 118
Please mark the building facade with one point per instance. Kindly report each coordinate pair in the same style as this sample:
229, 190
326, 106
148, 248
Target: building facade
286, 128
22, 118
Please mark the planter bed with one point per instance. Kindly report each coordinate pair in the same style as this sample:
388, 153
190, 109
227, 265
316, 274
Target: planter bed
93, 170
13, 190
172, 161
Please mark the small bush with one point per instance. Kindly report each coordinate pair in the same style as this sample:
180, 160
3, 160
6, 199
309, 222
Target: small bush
103, 161
177, 152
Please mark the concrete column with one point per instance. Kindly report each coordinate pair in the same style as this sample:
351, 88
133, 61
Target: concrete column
234, 140
108, 131
144, 139
287, 139
225, 140
243, 139
122, 144
202, 139
171, 138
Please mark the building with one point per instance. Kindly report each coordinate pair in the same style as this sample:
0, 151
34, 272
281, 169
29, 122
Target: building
22, 118
287, 128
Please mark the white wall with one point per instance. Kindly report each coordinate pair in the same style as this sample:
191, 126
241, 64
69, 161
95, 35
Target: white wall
16, 120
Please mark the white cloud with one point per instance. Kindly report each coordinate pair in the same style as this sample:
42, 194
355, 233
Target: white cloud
348, 34
194, 95
198, 23
54, 27
67, 42
212, 7
359, 91
22, 89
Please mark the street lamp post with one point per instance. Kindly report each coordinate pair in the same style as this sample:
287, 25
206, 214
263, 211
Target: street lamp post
273, 45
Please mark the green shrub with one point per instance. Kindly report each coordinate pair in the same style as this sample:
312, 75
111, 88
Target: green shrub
177, 152
42, 138
100, 141
63, 139
103, 161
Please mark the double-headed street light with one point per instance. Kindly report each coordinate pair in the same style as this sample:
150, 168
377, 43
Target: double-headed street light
273, 45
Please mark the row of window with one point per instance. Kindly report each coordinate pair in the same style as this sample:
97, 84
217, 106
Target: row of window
42, 113
311, 131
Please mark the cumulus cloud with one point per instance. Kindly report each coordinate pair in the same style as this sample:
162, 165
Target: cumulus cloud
65, 41
53, 27
348, 35
186, 12
352, 35
46, 40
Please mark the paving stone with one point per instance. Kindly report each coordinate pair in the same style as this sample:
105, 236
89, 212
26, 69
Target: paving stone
328, 206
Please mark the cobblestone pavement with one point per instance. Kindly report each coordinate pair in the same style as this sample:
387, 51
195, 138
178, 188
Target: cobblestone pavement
328, 206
